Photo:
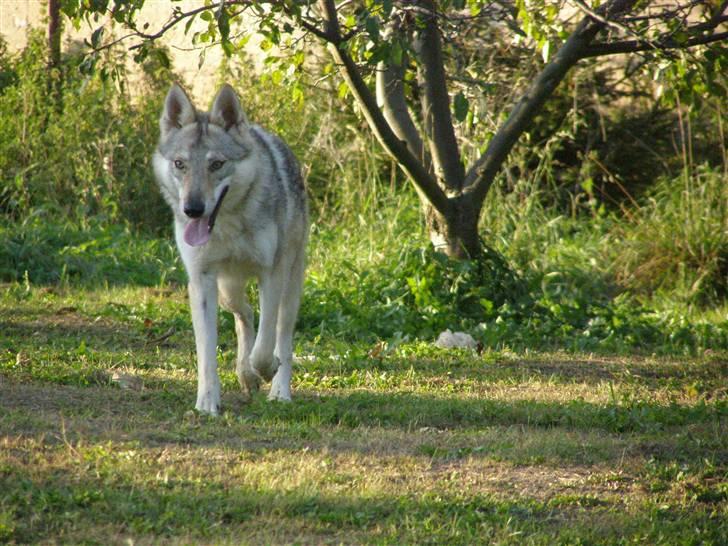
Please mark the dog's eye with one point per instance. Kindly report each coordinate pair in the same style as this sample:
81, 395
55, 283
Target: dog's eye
179, 164
216, 165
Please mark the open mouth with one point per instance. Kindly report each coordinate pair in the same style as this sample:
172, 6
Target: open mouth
198, 230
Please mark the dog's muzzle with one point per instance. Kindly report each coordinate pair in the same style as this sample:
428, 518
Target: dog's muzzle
198, 229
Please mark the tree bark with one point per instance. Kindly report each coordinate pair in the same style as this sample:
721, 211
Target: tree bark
437, 121
392, 101
54, 34
455, 234
55, 30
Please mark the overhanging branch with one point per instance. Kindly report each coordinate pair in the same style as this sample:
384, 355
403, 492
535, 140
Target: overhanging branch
636, 46
482, 173
382, 130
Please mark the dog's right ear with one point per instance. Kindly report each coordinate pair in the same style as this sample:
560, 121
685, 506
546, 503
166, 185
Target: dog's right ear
226, 110
178, 111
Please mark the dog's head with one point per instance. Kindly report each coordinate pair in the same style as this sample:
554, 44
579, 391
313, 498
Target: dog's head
200, 155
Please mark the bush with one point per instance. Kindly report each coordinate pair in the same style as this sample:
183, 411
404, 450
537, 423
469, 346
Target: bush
44, 250
79, 156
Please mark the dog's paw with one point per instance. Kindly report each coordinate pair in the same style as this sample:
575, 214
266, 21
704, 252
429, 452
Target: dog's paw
280, 388
249, 380
208, 406
279, 395
267, 370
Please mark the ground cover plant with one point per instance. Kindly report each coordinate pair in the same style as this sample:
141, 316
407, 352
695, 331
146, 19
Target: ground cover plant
592, 411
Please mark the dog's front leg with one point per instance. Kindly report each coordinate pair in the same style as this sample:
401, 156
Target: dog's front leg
261, 357
203, 303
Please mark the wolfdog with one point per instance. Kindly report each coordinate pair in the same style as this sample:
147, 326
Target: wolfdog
240, 212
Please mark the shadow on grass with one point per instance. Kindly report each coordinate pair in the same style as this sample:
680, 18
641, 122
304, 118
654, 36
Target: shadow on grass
558, 370
52, 504
65, 329
412, 411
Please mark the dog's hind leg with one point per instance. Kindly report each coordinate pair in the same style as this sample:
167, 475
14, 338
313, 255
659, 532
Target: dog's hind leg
203, 303
233, 298
280, 388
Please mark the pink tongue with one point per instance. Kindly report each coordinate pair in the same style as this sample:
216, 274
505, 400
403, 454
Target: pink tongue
197, 232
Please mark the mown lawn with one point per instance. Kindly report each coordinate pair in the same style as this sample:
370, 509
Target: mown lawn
386, 444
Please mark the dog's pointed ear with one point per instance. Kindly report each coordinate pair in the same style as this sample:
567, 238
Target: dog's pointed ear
227, 111
178, 111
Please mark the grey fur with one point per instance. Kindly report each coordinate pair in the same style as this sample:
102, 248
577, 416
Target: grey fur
260, 231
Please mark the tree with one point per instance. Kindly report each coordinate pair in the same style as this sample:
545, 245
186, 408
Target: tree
397, 62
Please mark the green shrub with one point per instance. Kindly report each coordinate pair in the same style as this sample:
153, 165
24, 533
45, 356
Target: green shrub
85, 155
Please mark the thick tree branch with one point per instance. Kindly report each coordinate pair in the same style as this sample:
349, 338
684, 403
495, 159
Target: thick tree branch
436, 101
366, 100
481, 175
697, 34
635, 46
391, 100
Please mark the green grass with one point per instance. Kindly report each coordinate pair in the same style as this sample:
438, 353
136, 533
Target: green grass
385, 443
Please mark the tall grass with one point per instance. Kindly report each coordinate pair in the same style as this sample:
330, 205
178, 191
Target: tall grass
84, 155
677, 243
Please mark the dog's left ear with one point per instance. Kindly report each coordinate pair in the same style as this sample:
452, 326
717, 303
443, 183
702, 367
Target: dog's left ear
226, 109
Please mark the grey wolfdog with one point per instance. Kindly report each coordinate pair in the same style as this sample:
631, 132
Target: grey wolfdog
240, 211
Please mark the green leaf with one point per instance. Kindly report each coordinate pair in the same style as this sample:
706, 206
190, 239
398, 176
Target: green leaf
141, 55
461, 105
297, 95
223, 23
343, 90
188, 24
372, 28
588, 185
162, 57
396, 53
96, 37
88, 65
379, 52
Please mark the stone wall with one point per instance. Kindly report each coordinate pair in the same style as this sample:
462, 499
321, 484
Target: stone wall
18, 16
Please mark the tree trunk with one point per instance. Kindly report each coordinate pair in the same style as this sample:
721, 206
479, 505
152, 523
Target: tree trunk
54, 34
55, 30
455, 233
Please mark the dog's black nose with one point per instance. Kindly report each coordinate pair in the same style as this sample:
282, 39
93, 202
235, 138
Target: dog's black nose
194, 209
